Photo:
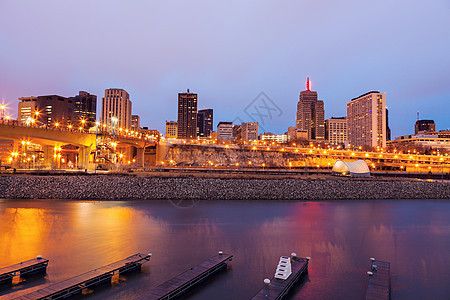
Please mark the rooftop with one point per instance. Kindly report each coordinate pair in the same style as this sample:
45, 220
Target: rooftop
375, 92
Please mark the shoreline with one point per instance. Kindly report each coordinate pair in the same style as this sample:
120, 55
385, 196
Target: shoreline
142, 187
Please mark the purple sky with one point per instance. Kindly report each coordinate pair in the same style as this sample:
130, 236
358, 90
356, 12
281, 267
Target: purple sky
229, 52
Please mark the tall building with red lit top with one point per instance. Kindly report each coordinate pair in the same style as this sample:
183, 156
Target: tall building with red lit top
311, 114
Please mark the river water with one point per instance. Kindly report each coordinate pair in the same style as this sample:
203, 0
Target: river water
340, 237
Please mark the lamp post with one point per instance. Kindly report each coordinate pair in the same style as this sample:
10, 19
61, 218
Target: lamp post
36, 117
2, 107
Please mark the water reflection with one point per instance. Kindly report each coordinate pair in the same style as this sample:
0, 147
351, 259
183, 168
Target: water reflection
339, 236
24, 232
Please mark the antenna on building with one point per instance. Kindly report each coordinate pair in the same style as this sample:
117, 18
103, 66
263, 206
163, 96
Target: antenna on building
308, 84
418, 116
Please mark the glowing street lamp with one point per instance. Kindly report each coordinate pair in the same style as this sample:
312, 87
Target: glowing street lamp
2, 107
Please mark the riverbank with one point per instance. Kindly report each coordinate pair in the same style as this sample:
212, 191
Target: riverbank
114, 187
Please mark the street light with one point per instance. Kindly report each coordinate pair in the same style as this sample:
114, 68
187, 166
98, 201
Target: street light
36, 117
2, 107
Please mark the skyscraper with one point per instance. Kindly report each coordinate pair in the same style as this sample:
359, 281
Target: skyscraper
85, 106
366, 120
116, 109
187, 115
204, 122
311, 114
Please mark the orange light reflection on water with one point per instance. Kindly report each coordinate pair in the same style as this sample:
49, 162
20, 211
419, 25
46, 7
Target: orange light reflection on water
24, 232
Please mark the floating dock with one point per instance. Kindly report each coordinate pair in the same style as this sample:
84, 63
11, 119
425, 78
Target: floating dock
181, 283
29, 267
276, 288
76, 284
379, 286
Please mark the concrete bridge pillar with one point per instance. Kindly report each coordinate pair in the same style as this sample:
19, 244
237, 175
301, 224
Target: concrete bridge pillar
129, 154
161, 151
48, 156
140, 157
83, 157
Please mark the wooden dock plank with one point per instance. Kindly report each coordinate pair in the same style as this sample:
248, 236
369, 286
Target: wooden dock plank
176, 284
74, 282
278, 288
22, 265
379, 287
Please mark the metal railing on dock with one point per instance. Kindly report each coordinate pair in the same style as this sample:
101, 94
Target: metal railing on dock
278, 288
379, 286
29, 267
181, 283
76, 284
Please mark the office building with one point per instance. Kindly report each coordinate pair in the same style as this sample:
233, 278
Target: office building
116, 109
433, 140
48, 111
171, 130
225, 130
149, 133
85, 107
187, 115
237, 132
204, 122
135, 122
249, 131
311, 114
424, 126
336, 131
277, 138
366, 120
297, 135
388, 129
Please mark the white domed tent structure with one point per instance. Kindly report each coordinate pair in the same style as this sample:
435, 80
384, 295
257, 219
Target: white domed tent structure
357, 168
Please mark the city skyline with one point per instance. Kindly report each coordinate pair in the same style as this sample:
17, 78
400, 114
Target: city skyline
232, 62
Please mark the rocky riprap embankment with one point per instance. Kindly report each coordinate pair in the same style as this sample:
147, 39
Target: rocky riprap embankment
130, 187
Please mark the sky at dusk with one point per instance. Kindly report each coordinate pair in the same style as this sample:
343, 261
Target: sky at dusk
228, 52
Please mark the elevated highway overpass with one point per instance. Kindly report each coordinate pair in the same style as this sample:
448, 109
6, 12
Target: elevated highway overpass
85, 141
